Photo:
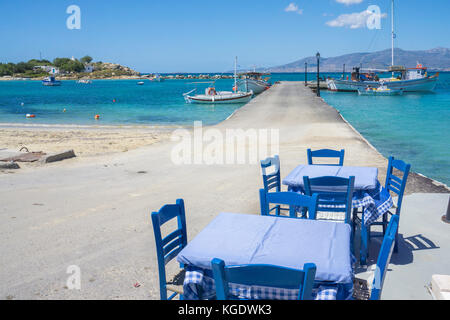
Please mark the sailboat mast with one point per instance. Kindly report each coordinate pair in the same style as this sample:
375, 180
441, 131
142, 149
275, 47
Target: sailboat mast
393, 31
235, 72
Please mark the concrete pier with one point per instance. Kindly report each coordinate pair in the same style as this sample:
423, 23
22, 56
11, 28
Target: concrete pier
95, 213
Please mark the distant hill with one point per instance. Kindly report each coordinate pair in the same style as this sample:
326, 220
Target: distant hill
437, 59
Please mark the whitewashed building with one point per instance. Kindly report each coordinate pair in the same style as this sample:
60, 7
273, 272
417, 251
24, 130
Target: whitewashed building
50, 69
88, 68
53, 70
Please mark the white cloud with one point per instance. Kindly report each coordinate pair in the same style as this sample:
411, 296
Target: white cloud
349, 2
292, 7
353, 20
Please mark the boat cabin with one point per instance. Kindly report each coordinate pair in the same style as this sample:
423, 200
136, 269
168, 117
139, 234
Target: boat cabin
416, 73
402, 73
357, 75
253, 75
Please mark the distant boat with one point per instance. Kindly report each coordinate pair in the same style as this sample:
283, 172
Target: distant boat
213, 96
380, 91
409, 80
253, 81
51, 82
85, 81
140, 83
157, 78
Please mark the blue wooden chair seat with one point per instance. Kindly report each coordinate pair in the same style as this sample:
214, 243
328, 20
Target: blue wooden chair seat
361, 288
262, 275
168, 247
326, 153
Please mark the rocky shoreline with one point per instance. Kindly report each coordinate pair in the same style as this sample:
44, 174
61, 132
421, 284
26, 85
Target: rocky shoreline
124, 77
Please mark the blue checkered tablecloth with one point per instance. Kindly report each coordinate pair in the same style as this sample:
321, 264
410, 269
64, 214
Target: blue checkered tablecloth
375, 202
199, 285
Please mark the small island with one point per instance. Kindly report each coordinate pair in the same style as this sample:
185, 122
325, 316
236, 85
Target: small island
65, 69
86, 69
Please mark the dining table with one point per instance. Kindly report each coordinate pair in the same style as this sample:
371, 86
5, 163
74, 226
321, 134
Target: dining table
242, 239
369, 195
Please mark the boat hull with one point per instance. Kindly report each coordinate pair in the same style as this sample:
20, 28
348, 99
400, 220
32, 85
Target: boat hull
416, 85
380, 93
257, 86
220, 98
51, 84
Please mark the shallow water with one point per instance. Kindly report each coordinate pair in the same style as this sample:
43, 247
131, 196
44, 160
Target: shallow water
150, 104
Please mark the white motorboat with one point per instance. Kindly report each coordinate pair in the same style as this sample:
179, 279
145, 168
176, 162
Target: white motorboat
140, 83
51, 82
253, 81
213, 96
85, 81
380, 91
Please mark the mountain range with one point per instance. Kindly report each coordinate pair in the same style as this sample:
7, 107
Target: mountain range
437, 59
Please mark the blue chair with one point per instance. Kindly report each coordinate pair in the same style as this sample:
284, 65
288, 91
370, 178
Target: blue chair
326, 153
395, 184
361, 288
334, 194
295, 201
263, 275
168, 247
272, 180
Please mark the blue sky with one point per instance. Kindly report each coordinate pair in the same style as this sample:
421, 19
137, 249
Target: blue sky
205, 36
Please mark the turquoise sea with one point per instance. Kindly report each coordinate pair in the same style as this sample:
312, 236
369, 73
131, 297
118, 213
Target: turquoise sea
413, 127
116, 101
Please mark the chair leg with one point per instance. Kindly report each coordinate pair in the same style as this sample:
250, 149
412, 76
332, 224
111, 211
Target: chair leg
396, 243
352, 243
304, 213
363, 251
163, 292
277, 211
355, 213
385, 223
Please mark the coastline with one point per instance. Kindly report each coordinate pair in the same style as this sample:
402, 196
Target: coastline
99, 140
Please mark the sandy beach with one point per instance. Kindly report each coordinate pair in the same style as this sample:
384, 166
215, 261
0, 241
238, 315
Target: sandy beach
94, 212
87, 141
